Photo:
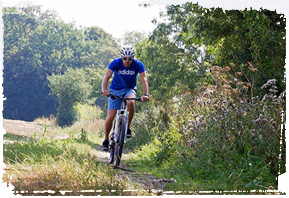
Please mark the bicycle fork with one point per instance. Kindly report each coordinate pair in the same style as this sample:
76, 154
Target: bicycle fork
120, 114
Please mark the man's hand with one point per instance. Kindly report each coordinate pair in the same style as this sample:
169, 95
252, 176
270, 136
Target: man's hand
144, 98
105, 92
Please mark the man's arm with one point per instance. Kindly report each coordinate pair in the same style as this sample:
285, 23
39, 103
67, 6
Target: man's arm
145, 86
104, 83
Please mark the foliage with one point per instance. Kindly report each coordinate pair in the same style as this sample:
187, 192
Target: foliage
71, 88
214, 124
237, 36
87, 112
145, 125
132, 38
220, 138
94, 78
38, 43
102, 48
170, 69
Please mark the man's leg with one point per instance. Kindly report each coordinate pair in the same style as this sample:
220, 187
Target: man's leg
108, 125
130, 108
108, 122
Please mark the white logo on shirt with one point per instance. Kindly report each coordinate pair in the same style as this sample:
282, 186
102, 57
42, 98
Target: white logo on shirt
126, 72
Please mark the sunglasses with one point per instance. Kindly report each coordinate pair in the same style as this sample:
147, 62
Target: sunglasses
130, 59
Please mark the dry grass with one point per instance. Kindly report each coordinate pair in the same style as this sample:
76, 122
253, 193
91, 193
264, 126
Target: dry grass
90, 126
51, 121
64, 165
66, 176
94, 128
73, 170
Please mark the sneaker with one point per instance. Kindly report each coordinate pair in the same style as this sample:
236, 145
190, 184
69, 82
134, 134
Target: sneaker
105, 145
128, 134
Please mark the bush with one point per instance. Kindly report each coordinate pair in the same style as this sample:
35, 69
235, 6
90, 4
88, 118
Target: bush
87, 112
71, 88
66, 115
221, 136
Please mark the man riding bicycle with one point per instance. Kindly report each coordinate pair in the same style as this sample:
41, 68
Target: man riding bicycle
125, 70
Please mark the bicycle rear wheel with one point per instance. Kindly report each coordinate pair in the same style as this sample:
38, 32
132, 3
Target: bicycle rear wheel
120, 141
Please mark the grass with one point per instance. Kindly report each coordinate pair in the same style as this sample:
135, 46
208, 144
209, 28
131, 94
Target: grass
14, 137
215, 143
192, 175
89, 121
224, 145
63, 164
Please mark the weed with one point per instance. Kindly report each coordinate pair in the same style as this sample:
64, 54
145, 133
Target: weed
219, 137
83, 136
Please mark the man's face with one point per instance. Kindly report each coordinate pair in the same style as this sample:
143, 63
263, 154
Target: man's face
127, 61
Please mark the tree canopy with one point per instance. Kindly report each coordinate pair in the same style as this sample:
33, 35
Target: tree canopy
38, 43
178, 55
231, 36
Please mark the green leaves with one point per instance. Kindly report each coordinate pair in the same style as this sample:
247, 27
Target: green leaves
71, 88
36, 44
237, 36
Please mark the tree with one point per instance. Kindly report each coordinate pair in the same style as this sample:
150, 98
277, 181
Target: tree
132, 38
38, 43
71, 88
49, 48
99, 42
236, 36
172, 70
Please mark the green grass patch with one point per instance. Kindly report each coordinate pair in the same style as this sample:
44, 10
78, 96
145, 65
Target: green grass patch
62, 165
14, 137
222, 141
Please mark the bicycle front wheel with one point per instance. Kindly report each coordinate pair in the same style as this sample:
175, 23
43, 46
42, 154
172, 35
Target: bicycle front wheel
111, 152
120, 141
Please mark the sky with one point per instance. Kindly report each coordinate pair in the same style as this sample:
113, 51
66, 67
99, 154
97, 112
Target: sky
118, 16
114, 16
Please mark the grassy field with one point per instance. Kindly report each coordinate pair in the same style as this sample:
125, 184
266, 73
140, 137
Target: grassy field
41, 163
195, 158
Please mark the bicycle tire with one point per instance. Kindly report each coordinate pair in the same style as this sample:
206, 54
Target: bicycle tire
111, 153
111, 146
120, 141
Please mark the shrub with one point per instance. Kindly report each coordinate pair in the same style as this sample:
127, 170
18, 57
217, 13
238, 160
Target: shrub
222, 136
87, 112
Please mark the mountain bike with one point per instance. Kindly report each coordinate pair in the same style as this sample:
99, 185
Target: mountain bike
118, 137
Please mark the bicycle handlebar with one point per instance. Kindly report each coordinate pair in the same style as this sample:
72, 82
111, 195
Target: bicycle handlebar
119, 97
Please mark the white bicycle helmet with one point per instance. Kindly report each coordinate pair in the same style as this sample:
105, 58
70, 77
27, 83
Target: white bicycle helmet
127, 52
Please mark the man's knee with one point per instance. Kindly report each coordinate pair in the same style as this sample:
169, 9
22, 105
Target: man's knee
130, 103
111, 114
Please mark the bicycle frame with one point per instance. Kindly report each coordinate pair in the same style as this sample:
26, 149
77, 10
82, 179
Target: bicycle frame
118, 138
121, 113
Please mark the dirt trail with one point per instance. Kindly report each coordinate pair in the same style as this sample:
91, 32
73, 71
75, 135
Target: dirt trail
18, 127
27, 129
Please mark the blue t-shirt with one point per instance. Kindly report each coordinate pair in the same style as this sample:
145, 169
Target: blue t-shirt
125, 77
